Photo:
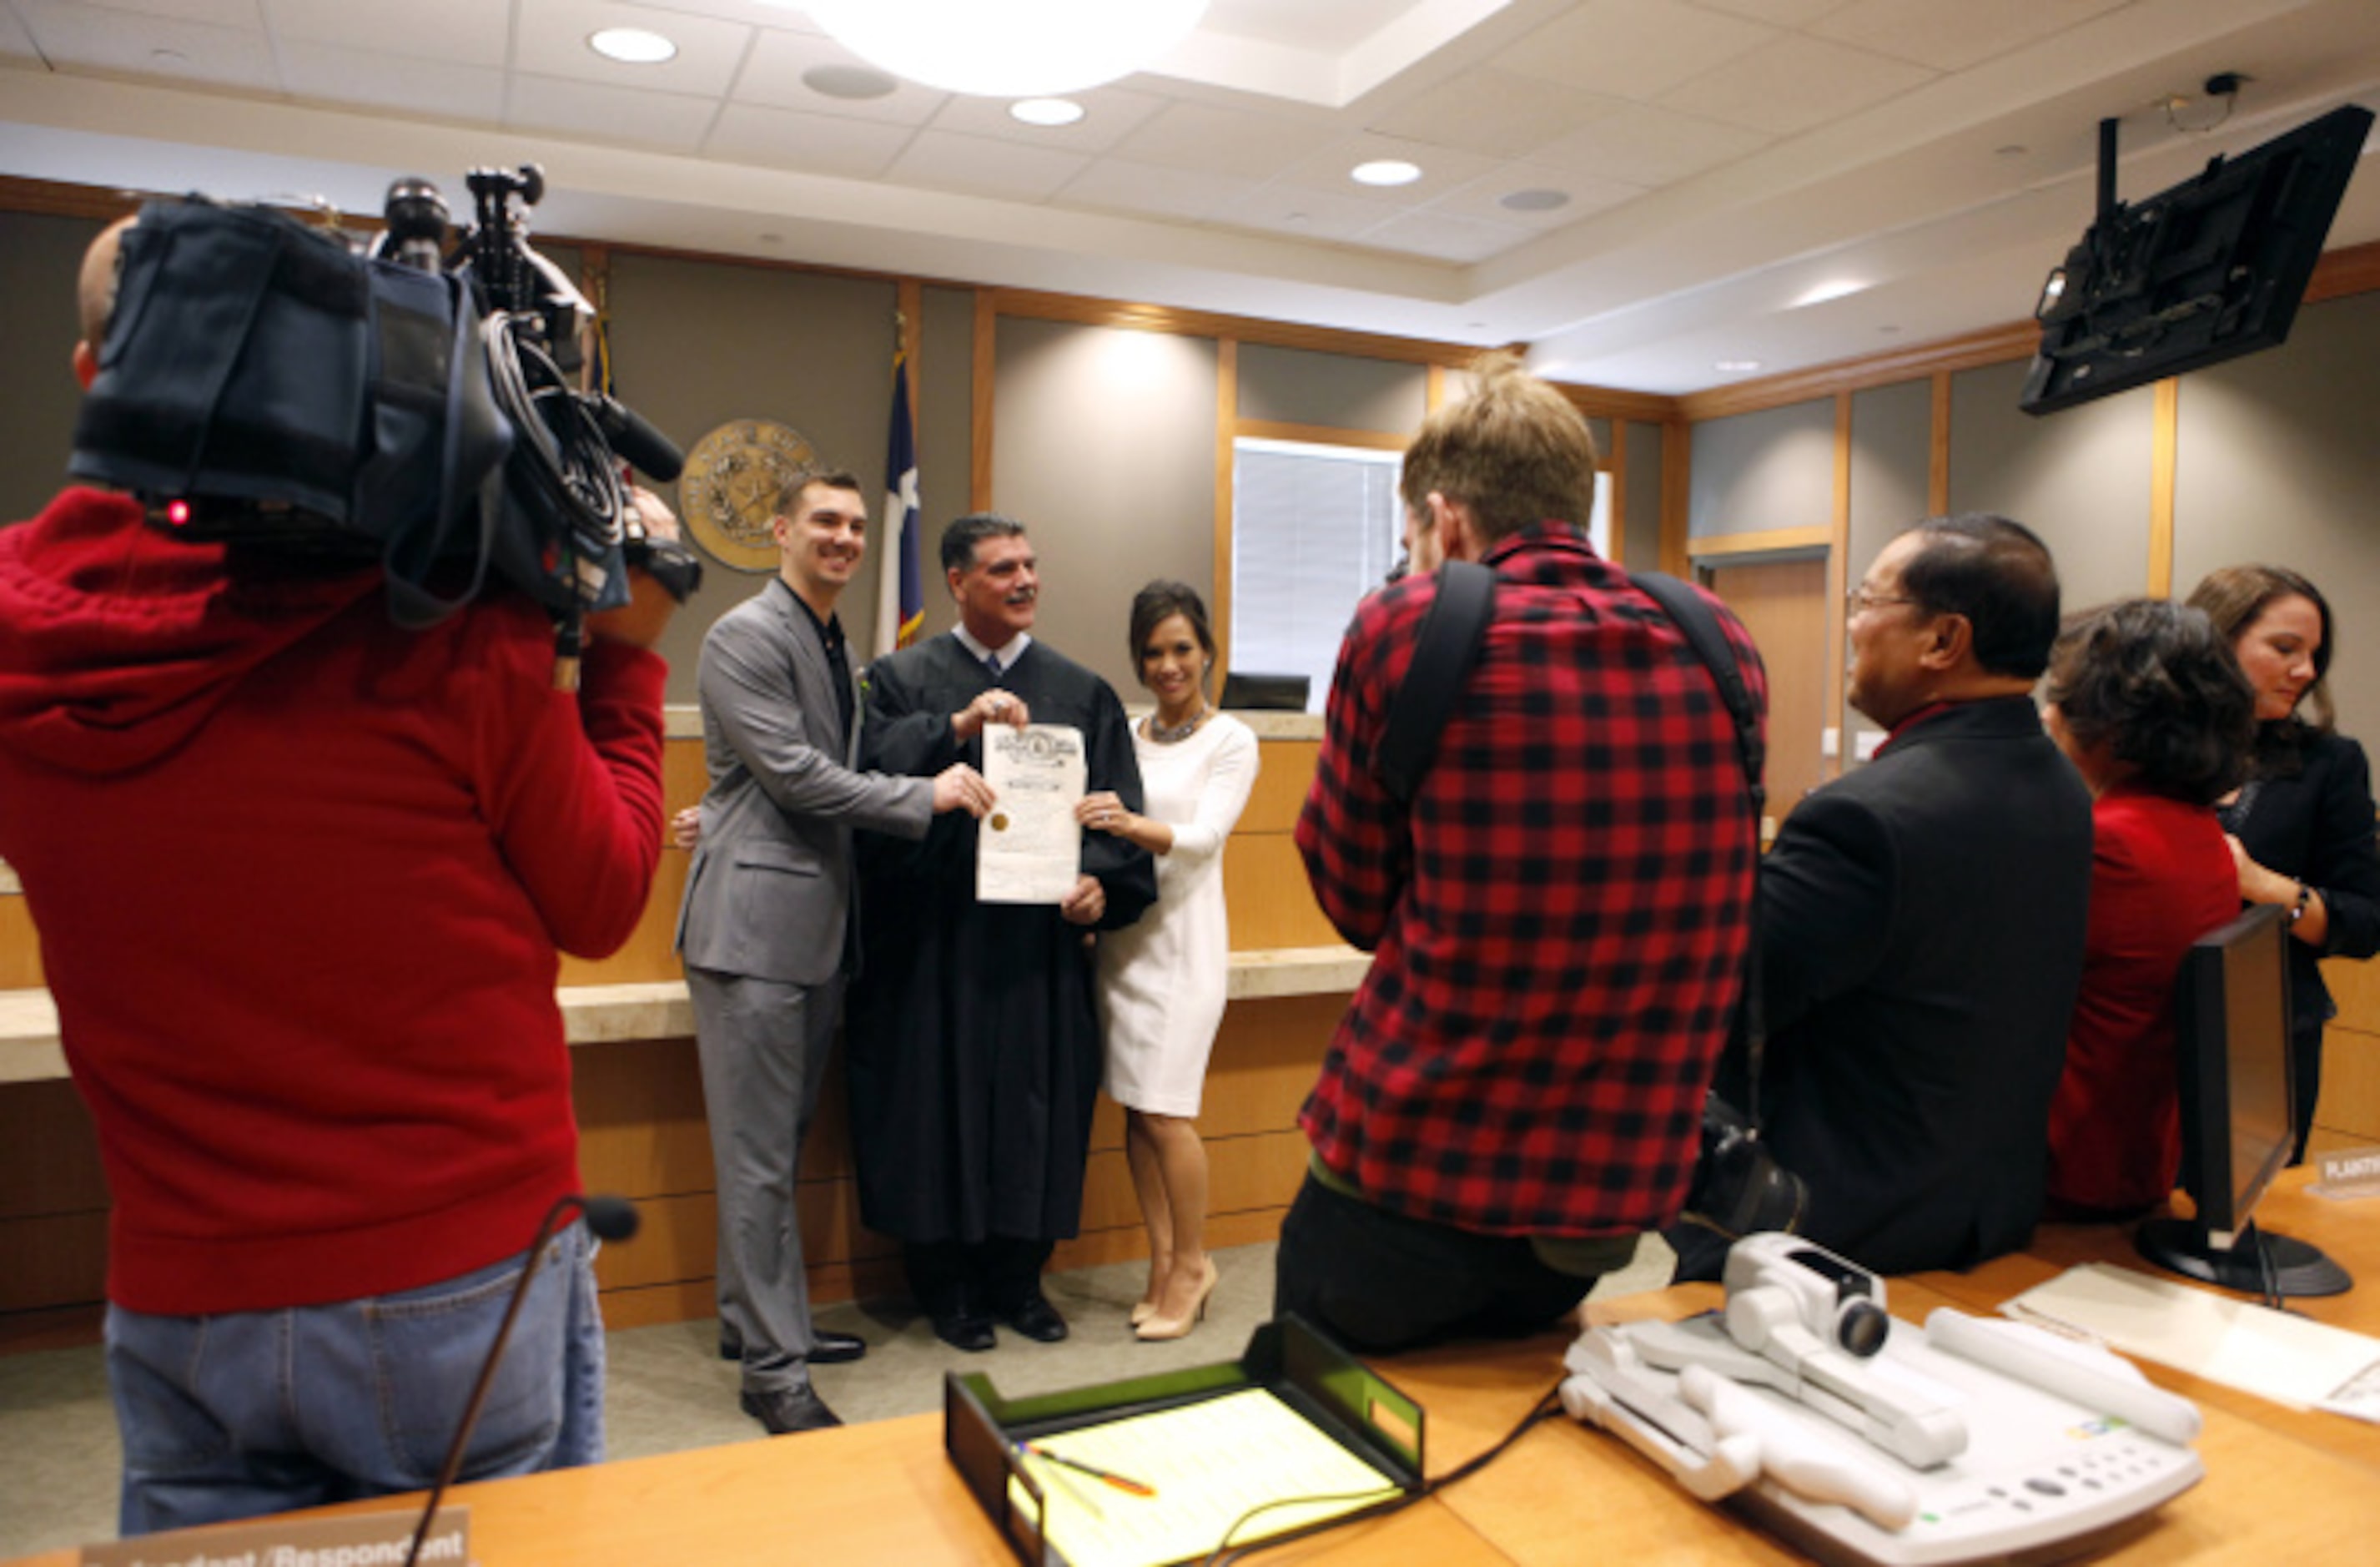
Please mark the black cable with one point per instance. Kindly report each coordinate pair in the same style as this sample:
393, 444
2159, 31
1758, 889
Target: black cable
1226, 1553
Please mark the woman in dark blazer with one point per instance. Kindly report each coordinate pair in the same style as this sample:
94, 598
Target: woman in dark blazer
2302, 826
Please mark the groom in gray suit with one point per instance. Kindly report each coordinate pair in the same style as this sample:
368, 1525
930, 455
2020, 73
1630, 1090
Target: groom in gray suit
764, 928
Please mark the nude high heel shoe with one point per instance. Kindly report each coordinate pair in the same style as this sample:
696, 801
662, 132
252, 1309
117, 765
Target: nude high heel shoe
1156, 1329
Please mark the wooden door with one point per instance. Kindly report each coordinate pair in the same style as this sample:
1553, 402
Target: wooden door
1783, 602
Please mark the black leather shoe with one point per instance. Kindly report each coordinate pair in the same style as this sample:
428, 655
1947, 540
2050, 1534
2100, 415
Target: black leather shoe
965, 1330
1036, 1318
834, 1349
784, 1411
729, 1348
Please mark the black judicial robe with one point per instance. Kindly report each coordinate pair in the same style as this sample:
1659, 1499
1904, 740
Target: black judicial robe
972, 1038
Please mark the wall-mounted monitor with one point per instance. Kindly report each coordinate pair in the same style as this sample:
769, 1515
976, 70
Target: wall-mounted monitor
2211, 269
2231, 1048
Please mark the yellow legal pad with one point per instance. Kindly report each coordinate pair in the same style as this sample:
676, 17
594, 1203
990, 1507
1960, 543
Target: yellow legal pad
1210, 1463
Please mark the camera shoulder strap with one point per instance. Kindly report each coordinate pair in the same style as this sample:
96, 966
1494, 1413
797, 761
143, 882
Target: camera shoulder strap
1693, 617
1452, 631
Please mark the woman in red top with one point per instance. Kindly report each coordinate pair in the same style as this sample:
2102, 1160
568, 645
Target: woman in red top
2147, 700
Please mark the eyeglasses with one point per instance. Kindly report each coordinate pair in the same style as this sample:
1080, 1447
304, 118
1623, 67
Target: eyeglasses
1865, 598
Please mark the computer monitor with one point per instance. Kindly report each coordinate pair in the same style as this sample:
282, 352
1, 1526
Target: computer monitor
2231, 1050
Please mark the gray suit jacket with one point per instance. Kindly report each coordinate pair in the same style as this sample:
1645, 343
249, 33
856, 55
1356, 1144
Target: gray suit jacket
768, 893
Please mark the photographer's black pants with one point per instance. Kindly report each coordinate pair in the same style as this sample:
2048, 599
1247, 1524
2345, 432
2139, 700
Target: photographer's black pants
1378, 1282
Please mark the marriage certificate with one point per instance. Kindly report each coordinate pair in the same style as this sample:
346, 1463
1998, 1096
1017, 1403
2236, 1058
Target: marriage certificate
1029, 847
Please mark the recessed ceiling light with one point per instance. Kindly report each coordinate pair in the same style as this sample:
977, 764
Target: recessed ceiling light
1736, 366
773, 240
1535, 200
1045, 111
1386, 171
169, 56
2013, 149
631, 45
853, 82
1889, 330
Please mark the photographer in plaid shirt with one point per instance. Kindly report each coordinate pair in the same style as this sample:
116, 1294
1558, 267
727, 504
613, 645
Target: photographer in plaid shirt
1559, 920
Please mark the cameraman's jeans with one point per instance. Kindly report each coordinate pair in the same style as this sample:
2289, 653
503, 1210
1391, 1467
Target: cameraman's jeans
254, 1411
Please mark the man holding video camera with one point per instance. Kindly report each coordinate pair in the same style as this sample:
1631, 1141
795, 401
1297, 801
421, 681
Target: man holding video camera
301, 877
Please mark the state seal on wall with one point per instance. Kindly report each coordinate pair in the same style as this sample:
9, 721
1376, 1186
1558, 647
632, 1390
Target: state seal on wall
728, 492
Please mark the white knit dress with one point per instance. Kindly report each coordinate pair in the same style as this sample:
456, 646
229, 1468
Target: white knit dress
1161, 978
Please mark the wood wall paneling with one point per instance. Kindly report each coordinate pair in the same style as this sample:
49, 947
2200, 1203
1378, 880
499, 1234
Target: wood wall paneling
1284, 773
1272, 903
20, 946
1227, 419
650, 953
1677, 484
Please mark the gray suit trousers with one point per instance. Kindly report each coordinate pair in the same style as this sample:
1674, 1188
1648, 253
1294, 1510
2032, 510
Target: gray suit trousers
763, 1046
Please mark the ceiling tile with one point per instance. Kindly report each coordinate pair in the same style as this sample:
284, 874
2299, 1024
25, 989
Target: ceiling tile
1953, 34
1636, 49
1502, 114
980, 166
1776, 13
1446, 238
814, 143
428, 87
1111, 115
1309, 214
105, 39
1643, 145
458, 33
658, 122
1794, 83
1120, 184
773, 74
550, 40
792, 14
237, 14
1483, 199
14, 39
1334, 26
1214, 139
1442, 169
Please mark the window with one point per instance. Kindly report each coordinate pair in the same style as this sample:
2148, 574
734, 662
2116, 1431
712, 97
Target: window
1314, 529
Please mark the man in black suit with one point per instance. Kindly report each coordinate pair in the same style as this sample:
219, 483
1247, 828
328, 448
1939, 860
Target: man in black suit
1921, 918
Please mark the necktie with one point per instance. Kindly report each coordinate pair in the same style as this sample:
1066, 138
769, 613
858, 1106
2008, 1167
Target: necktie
992, 666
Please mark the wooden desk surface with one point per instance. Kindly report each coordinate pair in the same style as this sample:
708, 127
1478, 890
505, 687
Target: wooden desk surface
880, 1492
2348, 1230
2281, 1486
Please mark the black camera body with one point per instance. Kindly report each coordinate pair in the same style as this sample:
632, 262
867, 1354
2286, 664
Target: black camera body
1738, 1186
274, 385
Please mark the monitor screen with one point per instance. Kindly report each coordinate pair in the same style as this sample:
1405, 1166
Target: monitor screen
2233, 1045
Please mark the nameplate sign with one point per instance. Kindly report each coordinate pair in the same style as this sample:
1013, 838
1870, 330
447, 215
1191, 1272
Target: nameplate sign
2346, 1172
365, 1539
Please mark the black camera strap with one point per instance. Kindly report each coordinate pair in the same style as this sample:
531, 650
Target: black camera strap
1454, 632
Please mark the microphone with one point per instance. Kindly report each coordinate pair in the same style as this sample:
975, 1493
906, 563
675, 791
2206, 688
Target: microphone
610, 1218
633, 436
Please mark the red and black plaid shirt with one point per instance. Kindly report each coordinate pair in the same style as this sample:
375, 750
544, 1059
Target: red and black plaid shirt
1560, 919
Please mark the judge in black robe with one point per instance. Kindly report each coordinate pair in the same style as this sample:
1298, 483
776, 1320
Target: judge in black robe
973, 1045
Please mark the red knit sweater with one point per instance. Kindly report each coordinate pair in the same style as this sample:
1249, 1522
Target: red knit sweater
300, 878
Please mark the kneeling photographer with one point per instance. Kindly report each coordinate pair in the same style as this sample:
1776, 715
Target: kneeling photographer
301, 874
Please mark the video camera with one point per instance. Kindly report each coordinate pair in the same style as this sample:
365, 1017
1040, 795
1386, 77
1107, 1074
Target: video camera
274, 385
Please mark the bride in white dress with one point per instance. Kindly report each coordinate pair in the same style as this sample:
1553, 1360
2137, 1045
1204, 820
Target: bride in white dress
1161, 978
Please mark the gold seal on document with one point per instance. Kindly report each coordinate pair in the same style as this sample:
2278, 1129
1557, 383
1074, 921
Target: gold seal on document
728, 492
999, 819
